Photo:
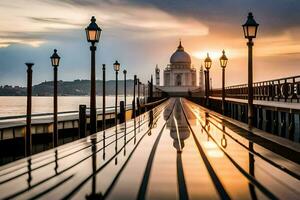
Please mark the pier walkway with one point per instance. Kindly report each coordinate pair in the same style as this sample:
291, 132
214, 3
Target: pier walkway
178, 150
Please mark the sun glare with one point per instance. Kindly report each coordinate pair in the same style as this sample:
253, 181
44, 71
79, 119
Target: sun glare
202, 54
216, 54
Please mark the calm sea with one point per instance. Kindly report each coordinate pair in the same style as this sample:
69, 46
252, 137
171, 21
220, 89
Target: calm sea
12, 105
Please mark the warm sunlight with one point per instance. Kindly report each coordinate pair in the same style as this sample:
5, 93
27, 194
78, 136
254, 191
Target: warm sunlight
216, 54
128, 99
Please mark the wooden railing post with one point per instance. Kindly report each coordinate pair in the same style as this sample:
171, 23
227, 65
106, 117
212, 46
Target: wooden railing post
82, 121
291, 128
122, 112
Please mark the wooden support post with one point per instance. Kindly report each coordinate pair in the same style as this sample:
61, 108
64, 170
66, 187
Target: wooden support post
260, 117
240, 112
82, 121
291, 130
122, 112
237, 111
268, 121
282, 124
254, 115
298, 132
275, 122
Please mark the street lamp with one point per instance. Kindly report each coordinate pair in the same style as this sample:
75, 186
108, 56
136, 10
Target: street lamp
116, 68
133, 102
138, 99
223, 63
93, 35
250, 31
207, 65
55, 63
103, 100
125, 72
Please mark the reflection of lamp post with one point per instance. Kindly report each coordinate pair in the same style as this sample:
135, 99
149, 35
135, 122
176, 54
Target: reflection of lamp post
28, 115
55, 63
250, 30
207, 65
116, 68
223, 140
223, 63
93, 35
94, 194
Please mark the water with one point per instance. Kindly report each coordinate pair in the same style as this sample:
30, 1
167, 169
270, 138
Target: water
16, 105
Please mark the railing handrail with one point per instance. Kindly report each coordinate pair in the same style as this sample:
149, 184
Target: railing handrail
283, 89
59, 113
246, 85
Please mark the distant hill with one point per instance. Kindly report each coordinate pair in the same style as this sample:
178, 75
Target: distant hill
68, 88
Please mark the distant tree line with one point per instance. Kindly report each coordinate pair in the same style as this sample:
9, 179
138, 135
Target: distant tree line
68, 88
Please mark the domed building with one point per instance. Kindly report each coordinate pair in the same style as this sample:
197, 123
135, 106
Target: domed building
179, 72
179, 76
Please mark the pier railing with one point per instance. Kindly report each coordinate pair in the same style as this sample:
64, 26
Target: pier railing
283, 89
41, 115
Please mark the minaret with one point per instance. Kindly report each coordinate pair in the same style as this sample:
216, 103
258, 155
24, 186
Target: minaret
157, 76
201, 79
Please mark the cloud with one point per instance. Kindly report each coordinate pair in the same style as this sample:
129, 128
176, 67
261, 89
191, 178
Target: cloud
274, 15
55, 20
143, 33
60, 16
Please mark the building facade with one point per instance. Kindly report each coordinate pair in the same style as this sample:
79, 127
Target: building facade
179, 77
180, 72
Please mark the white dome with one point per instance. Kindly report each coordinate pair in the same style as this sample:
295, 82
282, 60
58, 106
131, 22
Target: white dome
180, 56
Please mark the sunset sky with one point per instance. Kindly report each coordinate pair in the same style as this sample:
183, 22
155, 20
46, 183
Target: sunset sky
143, 33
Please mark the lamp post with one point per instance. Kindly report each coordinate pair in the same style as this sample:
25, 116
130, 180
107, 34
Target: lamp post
93, 35
116, 68
207, 65
250, 31
55, 63
103, 99
223, 63
133, 102
144, 89
138, 99
151, 89
28, 140
125, 72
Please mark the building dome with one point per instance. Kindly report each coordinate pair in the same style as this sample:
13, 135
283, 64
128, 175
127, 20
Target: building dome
180, 56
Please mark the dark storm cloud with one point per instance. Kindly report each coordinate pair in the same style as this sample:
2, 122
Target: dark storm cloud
274, 15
